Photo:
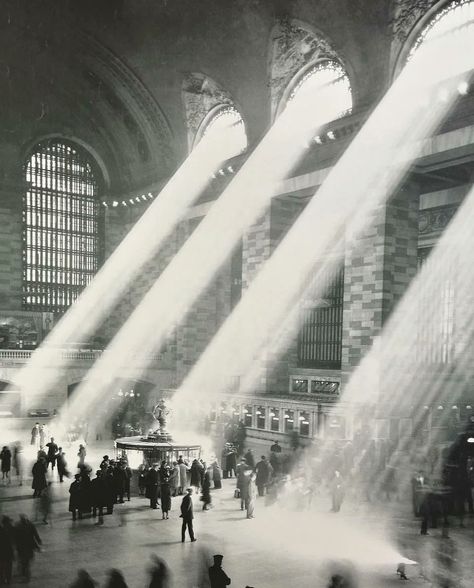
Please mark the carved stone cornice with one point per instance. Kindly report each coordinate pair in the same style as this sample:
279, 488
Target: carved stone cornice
435, 220
145, 115
200, 95
292, 48
405, 14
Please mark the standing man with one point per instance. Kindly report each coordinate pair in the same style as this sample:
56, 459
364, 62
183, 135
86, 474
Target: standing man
275, 448
264, 471
187, 515
217, 577
53, 451
152, 485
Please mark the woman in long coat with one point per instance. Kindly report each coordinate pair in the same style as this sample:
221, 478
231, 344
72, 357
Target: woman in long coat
165, 494
206, 490
217, 476
152, 485
196, 469
39, 477
6, 458
251, 496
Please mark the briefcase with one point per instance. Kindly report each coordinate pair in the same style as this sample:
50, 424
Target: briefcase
237, 493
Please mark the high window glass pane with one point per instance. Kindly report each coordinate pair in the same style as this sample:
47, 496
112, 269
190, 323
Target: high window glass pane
436, 314
61, 215
228, 129
454, 16
320, 337
324, 74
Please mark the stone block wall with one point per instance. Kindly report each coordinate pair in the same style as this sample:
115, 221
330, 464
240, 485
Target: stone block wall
378, 268
11, 269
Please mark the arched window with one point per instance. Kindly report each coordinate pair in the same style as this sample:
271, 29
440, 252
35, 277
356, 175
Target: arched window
323, 74
454, 16
227, 126
61, 217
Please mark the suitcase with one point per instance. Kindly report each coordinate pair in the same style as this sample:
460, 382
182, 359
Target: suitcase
237, 493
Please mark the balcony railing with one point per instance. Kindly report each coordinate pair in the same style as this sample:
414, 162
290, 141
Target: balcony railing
88, 355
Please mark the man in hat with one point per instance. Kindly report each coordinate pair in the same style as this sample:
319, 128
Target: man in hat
187, 515
217, 577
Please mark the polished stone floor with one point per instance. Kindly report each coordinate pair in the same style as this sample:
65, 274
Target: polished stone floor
277, 549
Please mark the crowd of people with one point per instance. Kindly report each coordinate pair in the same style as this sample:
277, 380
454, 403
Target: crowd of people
364, 473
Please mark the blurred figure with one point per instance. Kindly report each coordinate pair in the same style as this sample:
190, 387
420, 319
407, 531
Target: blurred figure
75, 497
159, 573
142, 473
35, 436
53, 451
206, 491
343, 576
217, 577
61, 464
249, 458
216, 476
175, 481
98, 496
183, 474
6, 457
27, 542
39, 477
187, 515
196, 474
83, 580
264, 473
81, 454
251, 496
275, 448
46, 503
43, 430
18, 462
337, 491
116, 579
7, 551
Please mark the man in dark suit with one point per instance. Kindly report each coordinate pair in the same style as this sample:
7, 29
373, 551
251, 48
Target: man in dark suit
217, 577
152, 481
187, 515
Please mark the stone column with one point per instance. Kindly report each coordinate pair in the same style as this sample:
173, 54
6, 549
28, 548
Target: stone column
379, 266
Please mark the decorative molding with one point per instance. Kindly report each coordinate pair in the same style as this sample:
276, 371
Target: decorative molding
292, 48
200, 95
143, 116
435, 220
406, 14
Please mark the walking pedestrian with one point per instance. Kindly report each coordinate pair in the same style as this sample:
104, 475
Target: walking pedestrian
187, 515
217, 577
6, 457
27, 542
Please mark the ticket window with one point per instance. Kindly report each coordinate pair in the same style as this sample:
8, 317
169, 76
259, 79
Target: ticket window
289, 418
304, 423
248, 414
261, 414
274, 415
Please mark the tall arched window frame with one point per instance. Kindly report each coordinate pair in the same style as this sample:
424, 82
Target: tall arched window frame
62, 225
226, 124
321, 74
455, 15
